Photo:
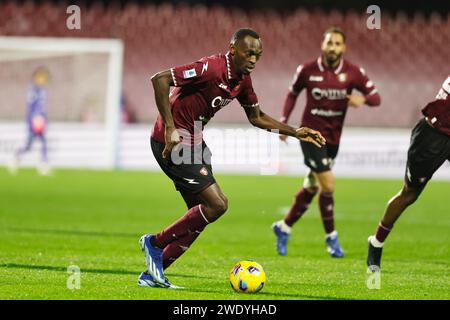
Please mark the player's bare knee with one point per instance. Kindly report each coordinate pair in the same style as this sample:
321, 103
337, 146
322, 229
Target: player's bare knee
218, 207
327, 187
326, 181
222, 205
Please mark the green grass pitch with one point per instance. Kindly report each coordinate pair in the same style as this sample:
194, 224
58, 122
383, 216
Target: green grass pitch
93, 219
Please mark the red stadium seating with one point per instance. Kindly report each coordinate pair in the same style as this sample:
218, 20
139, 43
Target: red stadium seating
407, 58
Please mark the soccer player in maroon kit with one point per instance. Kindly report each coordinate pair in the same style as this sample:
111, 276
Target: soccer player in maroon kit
202, 88
429, 149
329, 81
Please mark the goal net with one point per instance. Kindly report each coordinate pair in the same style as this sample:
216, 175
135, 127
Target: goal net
83, 98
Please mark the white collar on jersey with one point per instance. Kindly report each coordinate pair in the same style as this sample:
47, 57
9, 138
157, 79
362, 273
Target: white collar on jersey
227, 56
336, 71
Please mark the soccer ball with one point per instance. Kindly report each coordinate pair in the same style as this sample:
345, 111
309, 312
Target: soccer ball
247, 276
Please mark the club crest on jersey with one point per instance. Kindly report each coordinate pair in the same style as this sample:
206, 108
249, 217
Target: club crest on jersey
189, 73
204, 171
342, 77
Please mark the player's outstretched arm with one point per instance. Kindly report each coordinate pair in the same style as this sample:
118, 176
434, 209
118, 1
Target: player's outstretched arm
370, 95
161, 84
357, 101
261, 120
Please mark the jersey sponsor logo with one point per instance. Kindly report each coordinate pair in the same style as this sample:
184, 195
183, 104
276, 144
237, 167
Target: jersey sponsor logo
316, 78
205, 67
342, 77
331, 94
223, 86
189, 73
326, 113
219, 102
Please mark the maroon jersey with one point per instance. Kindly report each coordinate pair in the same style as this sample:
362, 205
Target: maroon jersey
201, 89
327, 90
438, 111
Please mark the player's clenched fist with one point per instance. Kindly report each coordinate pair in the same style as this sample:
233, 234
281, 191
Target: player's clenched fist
172, 139
310, 135
355, 101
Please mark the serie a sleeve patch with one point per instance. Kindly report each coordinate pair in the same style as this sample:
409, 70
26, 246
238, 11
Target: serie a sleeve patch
189, 73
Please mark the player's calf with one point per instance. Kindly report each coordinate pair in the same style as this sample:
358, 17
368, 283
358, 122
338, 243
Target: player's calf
398, 204
409, 195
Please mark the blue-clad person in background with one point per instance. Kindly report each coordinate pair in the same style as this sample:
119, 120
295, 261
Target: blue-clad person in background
36, 120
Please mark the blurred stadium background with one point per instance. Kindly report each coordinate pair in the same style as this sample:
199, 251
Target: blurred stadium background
101, 110
407, 59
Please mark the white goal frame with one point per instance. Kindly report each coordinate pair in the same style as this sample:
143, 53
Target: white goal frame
113, 47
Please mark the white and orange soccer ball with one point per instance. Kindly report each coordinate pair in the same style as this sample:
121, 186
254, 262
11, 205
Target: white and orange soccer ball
247, 277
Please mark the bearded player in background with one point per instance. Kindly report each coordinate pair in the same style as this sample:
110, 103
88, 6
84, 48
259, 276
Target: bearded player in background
429, 149
202, 89
329, 81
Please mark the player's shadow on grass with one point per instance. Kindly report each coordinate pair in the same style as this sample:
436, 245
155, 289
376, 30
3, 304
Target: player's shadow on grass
125, 272
194, 276
64, 269
302, 296
87, 270
282, 296
77, 232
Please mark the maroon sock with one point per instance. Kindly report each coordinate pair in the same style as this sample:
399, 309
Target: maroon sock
193, 220
326, 205
301, 203
382, 232
177, 247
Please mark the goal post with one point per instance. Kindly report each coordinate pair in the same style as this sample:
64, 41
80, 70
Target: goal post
89, 72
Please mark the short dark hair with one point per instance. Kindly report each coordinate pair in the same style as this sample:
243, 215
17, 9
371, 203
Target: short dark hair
334, 30
242, 33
